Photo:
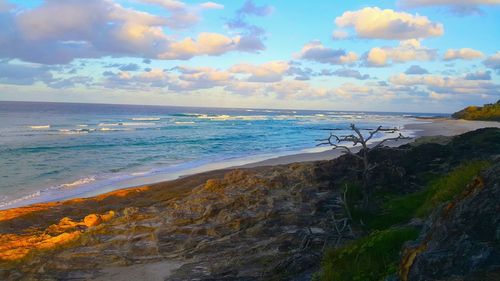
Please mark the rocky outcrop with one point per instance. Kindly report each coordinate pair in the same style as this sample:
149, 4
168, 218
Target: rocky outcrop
247, 225
15, 247
461, 241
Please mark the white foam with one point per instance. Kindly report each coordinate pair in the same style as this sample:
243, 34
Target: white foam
109, 124
5, 204
79, 182
224, 117
145, 118
126, 124
215, 117
184, 122
137, 124
40, 127
75, 131
194, 114
47, 194
250, 118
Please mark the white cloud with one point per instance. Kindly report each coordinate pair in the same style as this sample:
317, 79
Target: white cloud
375, 23
464, 53
478, 75
212, 5
167, 4
346, 72
181, 14
267, 72
340, 34
409, 50
416, 70
493, 62
204, 74
294, 89
205, 44
447, 85
5, 6
98, 28
315, 51
461, 7
178, 79
23, 74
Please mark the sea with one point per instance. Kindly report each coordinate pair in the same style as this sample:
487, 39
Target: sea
56, 151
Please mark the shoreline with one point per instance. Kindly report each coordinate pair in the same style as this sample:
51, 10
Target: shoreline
427, 127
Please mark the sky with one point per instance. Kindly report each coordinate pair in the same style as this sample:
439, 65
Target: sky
398, 55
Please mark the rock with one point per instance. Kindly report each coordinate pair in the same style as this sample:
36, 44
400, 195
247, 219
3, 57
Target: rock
463, 240
92, 220
108, 216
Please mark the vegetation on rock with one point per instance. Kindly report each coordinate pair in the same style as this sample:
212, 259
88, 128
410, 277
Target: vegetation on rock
488, 112
370, 258
443, 178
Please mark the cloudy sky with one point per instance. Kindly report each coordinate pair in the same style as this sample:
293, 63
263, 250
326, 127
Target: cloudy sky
397, 55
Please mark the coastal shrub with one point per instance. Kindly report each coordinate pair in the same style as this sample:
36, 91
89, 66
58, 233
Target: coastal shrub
488, 112
370, 258
445, 188
396, 211
402, 209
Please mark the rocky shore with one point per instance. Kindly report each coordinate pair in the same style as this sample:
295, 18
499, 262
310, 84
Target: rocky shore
261, 223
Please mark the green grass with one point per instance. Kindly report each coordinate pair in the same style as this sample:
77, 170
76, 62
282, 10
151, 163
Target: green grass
370, 258
420, 204
449, 186
376, 256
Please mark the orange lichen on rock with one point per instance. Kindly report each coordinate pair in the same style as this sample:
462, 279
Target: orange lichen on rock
122, 192
64, 224
17, 246
96, 219
92, 220
14, 247
213, 185
409, 256
18, 212
476, 185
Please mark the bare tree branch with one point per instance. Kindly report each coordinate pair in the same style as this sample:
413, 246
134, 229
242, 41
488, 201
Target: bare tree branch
399, 137
372, 133
358, 138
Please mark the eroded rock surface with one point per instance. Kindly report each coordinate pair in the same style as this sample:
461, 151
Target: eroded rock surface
246, 225
462, 242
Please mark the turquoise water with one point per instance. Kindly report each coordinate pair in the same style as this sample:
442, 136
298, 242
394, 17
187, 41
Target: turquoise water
51, 151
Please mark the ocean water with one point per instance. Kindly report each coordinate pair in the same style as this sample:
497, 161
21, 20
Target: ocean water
54, 151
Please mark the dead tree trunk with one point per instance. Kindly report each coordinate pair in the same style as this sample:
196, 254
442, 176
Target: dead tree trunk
363, 155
